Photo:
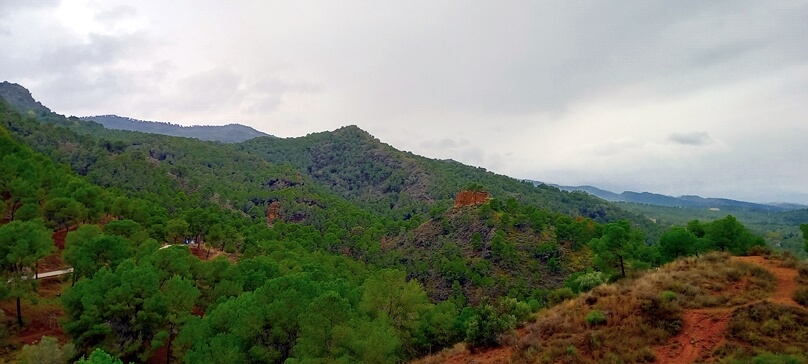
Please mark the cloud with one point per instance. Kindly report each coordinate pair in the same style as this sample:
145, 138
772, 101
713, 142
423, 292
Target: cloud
10, 7
691, 139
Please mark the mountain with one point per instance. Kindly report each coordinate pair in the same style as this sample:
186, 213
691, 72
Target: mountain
333, 247
681, 201
21, 100
230, 133
351, 162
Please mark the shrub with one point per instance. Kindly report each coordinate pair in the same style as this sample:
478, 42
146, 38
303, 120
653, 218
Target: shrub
665, 314
801, 296
668, 295
595, 317
47, 351
487, 325
590, 280
560, 295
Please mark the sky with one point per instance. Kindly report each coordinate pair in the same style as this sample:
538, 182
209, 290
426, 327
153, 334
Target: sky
674, 97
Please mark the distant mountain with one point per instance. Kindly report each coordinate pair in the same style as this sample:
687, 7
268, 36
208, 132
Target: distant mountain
681, 201
230, 133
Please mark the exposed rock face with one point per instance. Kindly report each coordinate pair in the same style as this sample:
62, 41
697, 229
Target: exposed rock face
468, 198
273, 212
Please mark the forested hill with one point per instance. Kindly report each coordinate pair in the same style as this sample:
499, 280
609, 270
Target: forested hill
230, 133
359, 167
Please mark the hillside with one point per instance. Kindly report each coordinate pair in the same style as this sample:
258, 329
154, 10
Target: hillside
709, 309
205, 175
359, 167
230, 133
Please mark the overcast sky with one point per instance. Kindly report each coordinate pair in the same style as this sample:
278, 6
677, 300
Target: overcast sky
675, 97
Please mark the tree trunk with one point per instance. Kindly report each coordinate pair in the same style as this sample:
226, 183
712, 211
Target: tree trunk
208, 255
168, 349
19, 313
622, 267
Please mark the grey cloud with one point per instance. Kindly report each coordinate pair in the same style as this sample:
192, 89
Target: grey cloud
691, 139
207, 90
9, 7
100, 50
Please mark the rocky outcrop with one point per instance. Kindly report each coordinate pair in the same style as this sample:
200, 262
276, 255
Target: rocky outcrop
468, 198
273, 212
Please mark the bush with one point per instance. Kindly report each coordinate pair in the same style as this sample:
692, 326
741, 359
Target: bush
801, 296
487, 325
560, 295
595, 317
47, 351
664, 313
590, 280
668, 295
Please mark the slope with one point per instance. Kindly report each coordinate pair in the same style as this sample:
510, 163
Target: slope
354, 164
710, 309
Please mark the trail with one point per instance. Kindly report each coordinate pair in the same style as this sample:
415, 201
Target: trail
703, 329
786, 280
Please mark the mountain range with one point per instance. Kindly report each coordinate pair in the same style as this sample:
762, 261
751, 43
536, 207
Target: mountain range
230, 133
690, 201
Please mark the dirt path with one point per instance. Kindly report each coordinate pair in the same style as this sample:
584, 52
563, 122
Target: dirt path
786, 280
703, 329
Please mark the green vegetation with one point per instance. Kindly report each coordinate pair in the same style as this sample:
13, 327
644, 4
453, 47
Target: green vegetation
47, 351
333, 247
781, 230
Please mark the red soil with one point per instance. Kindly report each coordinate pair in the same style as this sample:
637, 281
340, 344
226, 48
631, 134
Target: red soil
468, 198
703, 329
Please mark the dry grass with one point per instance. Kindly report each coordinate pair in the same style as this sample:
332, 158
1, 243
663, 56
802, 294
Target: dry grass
443, 355
802, 269
765, 328
640, 313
